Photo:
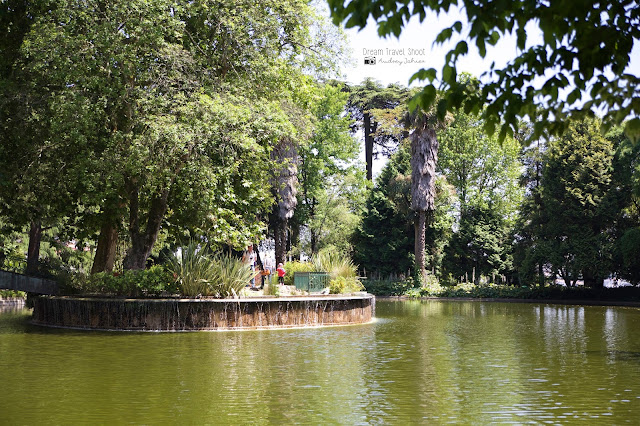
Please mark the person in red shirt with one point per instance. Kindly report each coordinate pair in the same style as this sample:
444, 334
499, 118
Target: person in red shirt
281, 273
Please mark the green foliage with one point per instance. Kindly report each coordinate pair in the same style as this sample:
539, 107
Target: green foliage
580, 204
12, 294
388, 287
230, 276
336, 264
153, 115
273, 288
475, 291
482, 243
485, 174
550, 292
384, 241
330, 186
155, 281
293, 267
483, 170
343, 274
193, 270
629, 248
342, 285
368, 104
597, 36
199, 272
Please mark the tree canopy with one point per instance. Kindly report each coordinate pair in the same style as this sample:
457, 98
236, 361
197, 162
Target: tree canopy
138, 118
577, 69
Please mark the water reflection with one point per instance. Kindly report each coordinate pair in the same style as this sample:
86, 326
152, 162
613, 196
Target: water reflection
421, 362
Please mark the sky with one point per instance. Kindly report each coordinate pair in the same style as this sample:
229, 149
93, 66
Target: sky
395, 60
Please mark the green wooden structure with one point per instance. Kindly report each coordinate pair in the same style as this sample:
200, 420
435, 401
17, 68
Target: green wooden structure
311, 281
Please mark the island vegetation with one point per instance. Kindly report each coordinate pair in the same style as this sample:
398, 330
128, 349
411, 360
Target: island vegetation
145, 144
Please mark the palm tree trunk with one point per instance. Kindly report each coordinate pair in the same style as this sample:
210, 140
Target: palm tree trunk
285, 188
424, 156
420, 239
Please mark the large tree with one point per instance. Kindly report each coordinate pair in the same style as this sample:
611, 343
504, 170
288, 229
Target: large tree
529, 259
34, 190
424, 157
149, 103
366, 97
486, 175
585, 50
384, 241
326, 163
626, 177
581, 204
420, 127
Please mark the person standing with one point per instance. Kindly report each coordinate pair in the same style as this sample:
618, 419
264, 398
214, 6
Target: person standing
281, 273
249, 258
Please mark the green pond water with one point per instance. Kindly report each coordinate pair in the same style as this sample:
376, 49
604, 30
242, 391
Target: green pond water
424, 362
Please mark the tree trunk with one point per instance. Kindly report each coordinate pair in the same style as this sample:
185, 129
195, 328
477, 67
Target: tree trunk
314, 242
107, 240
420, 237
294, 237
142, 241
424, 155
280, 238
285, 189
313, 234
368, 145
33, 252
106, 252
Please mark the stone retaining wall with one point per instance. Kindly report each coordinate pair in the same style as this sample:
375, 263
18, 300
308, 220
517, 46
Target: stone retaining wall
202, 314
12, 301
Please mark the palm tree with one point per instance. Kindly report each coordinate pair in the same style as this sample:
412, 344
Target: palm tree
424, 156
285, 183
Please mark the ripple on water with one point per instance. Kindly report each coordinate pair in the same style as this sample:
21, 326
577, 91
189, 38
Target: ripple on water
419, 362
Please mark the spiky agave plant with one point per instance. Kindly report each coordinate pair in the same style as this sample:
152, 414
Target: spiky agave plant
231, 275
193, 270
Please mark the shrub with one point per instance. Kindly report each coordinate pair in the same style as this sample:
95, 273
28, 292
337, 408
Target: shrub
550, 292
336, 264
291, 268
6, 294
388, 287
154, 281
273, 289
230, 276
340, 285
343, 274
193, 270
201, 273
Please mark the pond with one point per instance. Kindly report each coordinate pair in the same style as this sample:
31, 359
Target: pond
419, 362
